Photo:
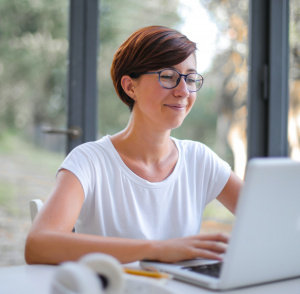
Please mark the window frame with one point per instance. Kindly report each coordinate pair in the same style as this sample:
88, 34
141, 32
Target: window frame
268, 92
82, 71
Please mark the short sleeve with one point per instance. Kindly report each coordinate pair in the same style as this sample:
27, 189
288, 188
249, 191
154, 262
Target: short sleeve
219, 173
80, 163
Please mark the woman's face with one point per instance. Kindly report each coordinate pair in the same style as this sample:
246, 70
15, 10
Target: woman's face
160, 108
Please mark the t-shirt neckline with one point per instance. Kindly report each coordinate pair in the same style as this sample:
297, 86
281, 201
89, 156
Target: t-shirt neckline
134, 177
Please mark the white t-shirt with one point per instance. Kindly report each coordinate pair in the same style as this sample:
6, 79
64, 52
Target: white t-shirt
118, 203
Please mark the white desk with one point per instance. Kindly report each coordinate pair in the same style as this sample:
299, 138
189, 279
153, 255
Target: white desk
36, 279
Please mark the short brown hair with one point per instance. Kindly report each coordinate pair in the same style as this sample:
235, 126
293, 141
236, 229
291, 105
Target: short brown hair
148, 49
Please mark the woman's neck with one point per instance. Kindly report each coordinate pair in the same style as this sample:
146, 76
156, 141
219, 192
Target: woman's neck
149, 153
149, 146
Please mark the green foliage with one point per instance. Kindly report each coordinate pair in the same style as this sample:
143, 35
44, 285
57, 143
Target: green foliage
33, 51
27, 172
7, 193
14, 144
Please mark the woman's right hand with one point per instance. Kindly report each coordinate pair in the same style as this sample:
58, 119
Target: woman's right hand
208, 246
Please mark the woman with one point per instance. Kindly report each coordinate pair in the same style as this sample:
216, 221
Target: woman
140, 193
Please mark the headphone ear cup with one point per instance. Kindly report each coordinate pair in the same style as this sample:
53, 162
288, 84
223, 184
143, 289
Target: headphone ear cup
108, 269
74, 278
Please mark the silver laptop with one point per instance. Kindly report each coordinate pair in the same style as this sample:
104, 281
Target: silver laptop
265, 240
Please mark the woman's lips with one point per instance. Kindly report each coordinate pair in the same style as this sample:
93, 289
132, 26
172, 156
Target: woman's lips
176, 106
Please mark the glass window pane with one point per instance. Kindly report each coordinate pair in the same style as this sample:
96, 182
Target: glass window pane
33, 73
219, 117
294, 81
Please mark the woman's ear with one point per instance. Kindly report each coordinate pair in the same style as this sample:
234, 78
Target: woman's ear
128, 86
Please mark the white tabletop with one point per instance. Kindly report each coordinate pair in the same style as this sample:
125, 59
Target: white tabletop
36, 279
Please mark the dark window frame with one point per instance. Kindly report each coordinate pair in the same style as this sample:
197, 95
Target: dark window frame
268, 97
82, 70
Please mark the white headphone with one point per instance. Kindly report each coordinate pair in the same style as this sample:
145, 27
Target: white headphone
95, 273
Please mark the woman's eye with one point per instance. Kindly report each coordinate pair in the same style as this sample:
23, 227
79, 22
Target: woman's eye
190, 81
167, 77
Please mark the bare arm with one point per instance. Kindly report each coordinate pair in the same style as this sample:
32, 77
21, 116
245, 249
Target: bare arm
230, 193
50, 239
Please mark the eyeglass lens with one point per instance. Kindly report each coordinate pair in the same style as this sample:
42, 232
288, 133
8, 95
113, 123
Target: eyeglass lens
170, 79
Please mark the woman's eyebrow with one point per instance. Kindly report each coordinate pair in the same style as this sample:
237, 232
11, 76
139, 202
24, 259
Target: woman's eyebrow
189, 70
192, 70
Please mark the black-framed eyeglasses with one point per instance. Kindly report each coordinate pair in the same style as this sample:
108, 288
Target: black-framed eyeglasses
170, 78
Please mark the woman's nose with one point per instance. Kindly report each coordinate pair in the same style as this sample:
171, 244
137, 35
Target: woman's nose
182, 87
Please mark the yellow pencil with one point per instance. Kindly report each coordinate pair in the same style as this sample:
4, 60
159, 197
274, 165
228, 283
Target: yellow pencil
150, 274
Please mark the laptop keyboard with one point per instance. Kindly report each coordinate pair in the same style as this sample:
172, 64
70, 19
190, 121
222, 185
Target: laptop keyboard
213, 269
